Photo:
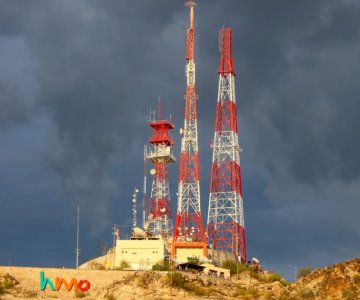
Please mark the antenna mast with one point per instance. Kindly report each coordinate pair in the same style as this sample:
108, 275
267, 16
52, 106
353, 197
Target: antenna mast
188, 231
144, 188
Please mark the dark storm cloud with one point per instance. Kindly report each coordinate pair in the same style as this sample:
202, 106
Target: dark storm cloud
14, 108
100, 65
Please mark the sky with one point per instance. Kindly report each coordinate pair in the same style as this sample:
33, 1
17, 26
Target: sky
77, 81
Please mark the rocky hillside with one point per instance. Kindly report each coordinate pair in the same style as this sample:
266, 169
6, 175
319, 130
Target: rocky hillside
341, 281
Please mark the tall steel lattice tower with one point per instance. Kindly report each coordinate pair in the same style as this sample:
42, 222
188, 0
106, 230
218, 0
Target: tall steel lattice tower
225, 227
189, 231
159, 215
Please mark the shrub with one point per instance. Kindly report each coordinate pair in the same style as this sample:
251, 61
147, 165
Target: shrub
306, 293
110, 297
231, 265
96, 266
7, 284
349, 294
161, 266
124, 265
304, 272
246, 292
193, 260
276, 277
199, 291
357, 279
79, 294
176, 279
2, 290
30, 294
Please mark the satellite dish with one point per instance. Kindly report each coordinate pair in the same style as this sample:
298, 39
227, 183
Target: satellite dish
163, 209
181, 131
152, 172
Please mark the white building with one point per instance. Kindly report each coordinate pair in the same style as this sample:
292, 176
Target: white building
140, 254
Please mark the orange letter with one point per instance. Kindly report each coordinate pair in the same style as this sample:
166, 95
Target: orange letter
68, 286
80, 285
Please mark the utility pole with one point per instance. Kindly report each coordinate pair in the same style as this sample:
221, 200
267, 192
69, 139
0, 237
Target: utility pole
295, 271
77, 250
116, 234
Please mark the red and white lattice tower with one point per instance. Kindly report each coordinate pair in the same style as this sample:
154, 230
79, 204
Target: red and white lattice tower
188, 230
225, 224
159, 214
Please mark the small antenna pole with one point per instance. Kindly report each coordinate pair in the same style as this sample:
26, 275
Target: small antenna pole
77, 250
144, 187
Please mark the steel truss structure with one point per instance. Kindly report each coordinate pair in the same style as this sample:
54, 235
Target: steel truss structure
225, 223
188, 230
159, 214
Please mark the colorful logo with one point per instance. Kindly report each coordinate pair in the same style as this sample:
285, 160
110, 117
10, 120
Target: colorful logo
82, 285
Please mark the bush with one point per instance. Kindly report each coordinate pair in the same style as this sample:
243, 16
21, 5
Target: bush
276, 277
231, 265
2, 290
246, 293
30, 294
349, 294
79, 294
273, 277
96, 266
124, 265
161, 266
199, 291
193, 260
306, 293
304, 272
176, 279
110, 297
7, 284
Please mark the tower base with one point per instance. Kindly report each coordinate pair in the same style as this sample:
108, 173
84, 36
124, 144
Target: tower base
181, 251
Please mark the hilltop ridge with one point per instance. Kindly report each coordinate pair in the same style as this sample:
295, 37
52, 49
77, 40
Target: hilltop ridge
339, 281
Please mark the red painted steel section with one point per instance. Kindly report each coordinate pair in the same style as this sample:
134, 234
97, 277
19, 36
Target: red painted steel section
190, 44
226, 118
226, 61
159, 207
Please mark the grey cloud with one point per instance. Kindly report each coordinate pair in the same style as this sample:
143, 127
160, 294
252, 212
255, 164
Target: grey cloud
102, 64
14, 107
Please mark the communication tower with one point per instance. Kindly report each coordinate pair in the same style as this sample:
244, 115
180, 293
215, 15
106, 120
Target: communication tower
225, 224
189, 231
159, 215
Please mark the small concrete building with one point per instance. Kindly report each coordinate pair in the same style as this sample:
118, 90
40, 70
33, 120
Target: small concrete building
140, 254
211, 270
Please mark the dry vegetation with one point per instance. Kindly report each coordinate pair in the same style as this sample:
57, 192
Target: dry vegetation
341, 281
